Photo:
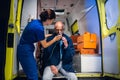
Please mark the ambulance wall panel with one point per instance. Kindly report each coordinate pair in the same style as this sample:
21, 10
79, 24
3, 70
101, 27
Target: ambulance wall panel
29, 12
110, 63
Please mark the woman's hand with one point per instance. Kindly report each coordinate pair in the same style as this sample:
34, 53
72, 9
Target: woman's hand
58, 37
54, 69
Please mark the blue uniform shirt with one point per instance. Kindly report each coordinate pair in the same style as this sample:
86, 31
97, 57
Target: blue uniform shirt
32, 33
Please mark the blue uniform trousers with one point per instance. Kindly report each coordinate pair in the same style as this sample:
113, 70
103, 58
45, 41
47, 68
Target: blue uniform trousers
28, 62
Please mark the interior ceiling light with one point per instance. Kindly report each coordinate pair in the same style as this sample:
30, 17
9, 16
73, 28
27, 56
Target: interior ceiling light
59, 11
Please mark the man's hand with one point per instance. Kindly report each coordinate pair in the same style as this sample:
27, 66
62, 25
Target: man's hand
65, 42
54, 69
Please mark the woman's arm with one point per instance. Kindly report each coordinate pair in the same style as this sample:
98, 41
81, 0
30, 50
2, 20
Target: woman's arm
46, 44
47, 35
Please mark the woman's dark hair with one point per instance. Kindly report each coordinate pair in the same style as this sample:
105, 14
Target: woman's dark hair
47, 14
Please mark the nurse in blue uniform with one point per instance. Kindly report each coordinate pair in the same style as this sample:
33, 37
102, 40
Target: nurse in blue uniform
34, 32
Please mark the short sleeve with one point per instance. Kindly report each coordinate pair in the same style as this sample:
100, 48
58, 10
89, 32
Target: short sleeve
40, 35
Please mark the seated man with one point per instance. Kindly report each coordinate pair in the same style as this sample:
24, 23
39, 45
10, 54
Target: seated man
59, 56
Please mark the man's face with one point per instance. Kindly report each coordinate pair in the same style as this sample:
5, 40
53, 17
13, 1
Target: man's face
59, 27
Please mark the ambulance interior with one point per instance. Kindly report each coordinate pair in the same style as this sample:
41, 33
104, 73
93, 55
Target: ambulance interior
96, 50
77, 16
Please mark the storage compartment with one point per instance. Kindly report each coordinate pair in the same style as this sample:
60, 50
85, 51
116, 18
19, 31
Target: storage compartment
87, 43
91, 63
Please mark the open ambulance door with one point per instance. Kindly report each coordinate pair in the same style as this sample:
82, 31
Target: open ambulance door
4, 15
13, 35
109, 12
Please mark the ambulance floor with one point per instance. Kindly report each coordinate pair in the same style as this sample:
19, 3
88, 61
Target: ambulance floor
83, 78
